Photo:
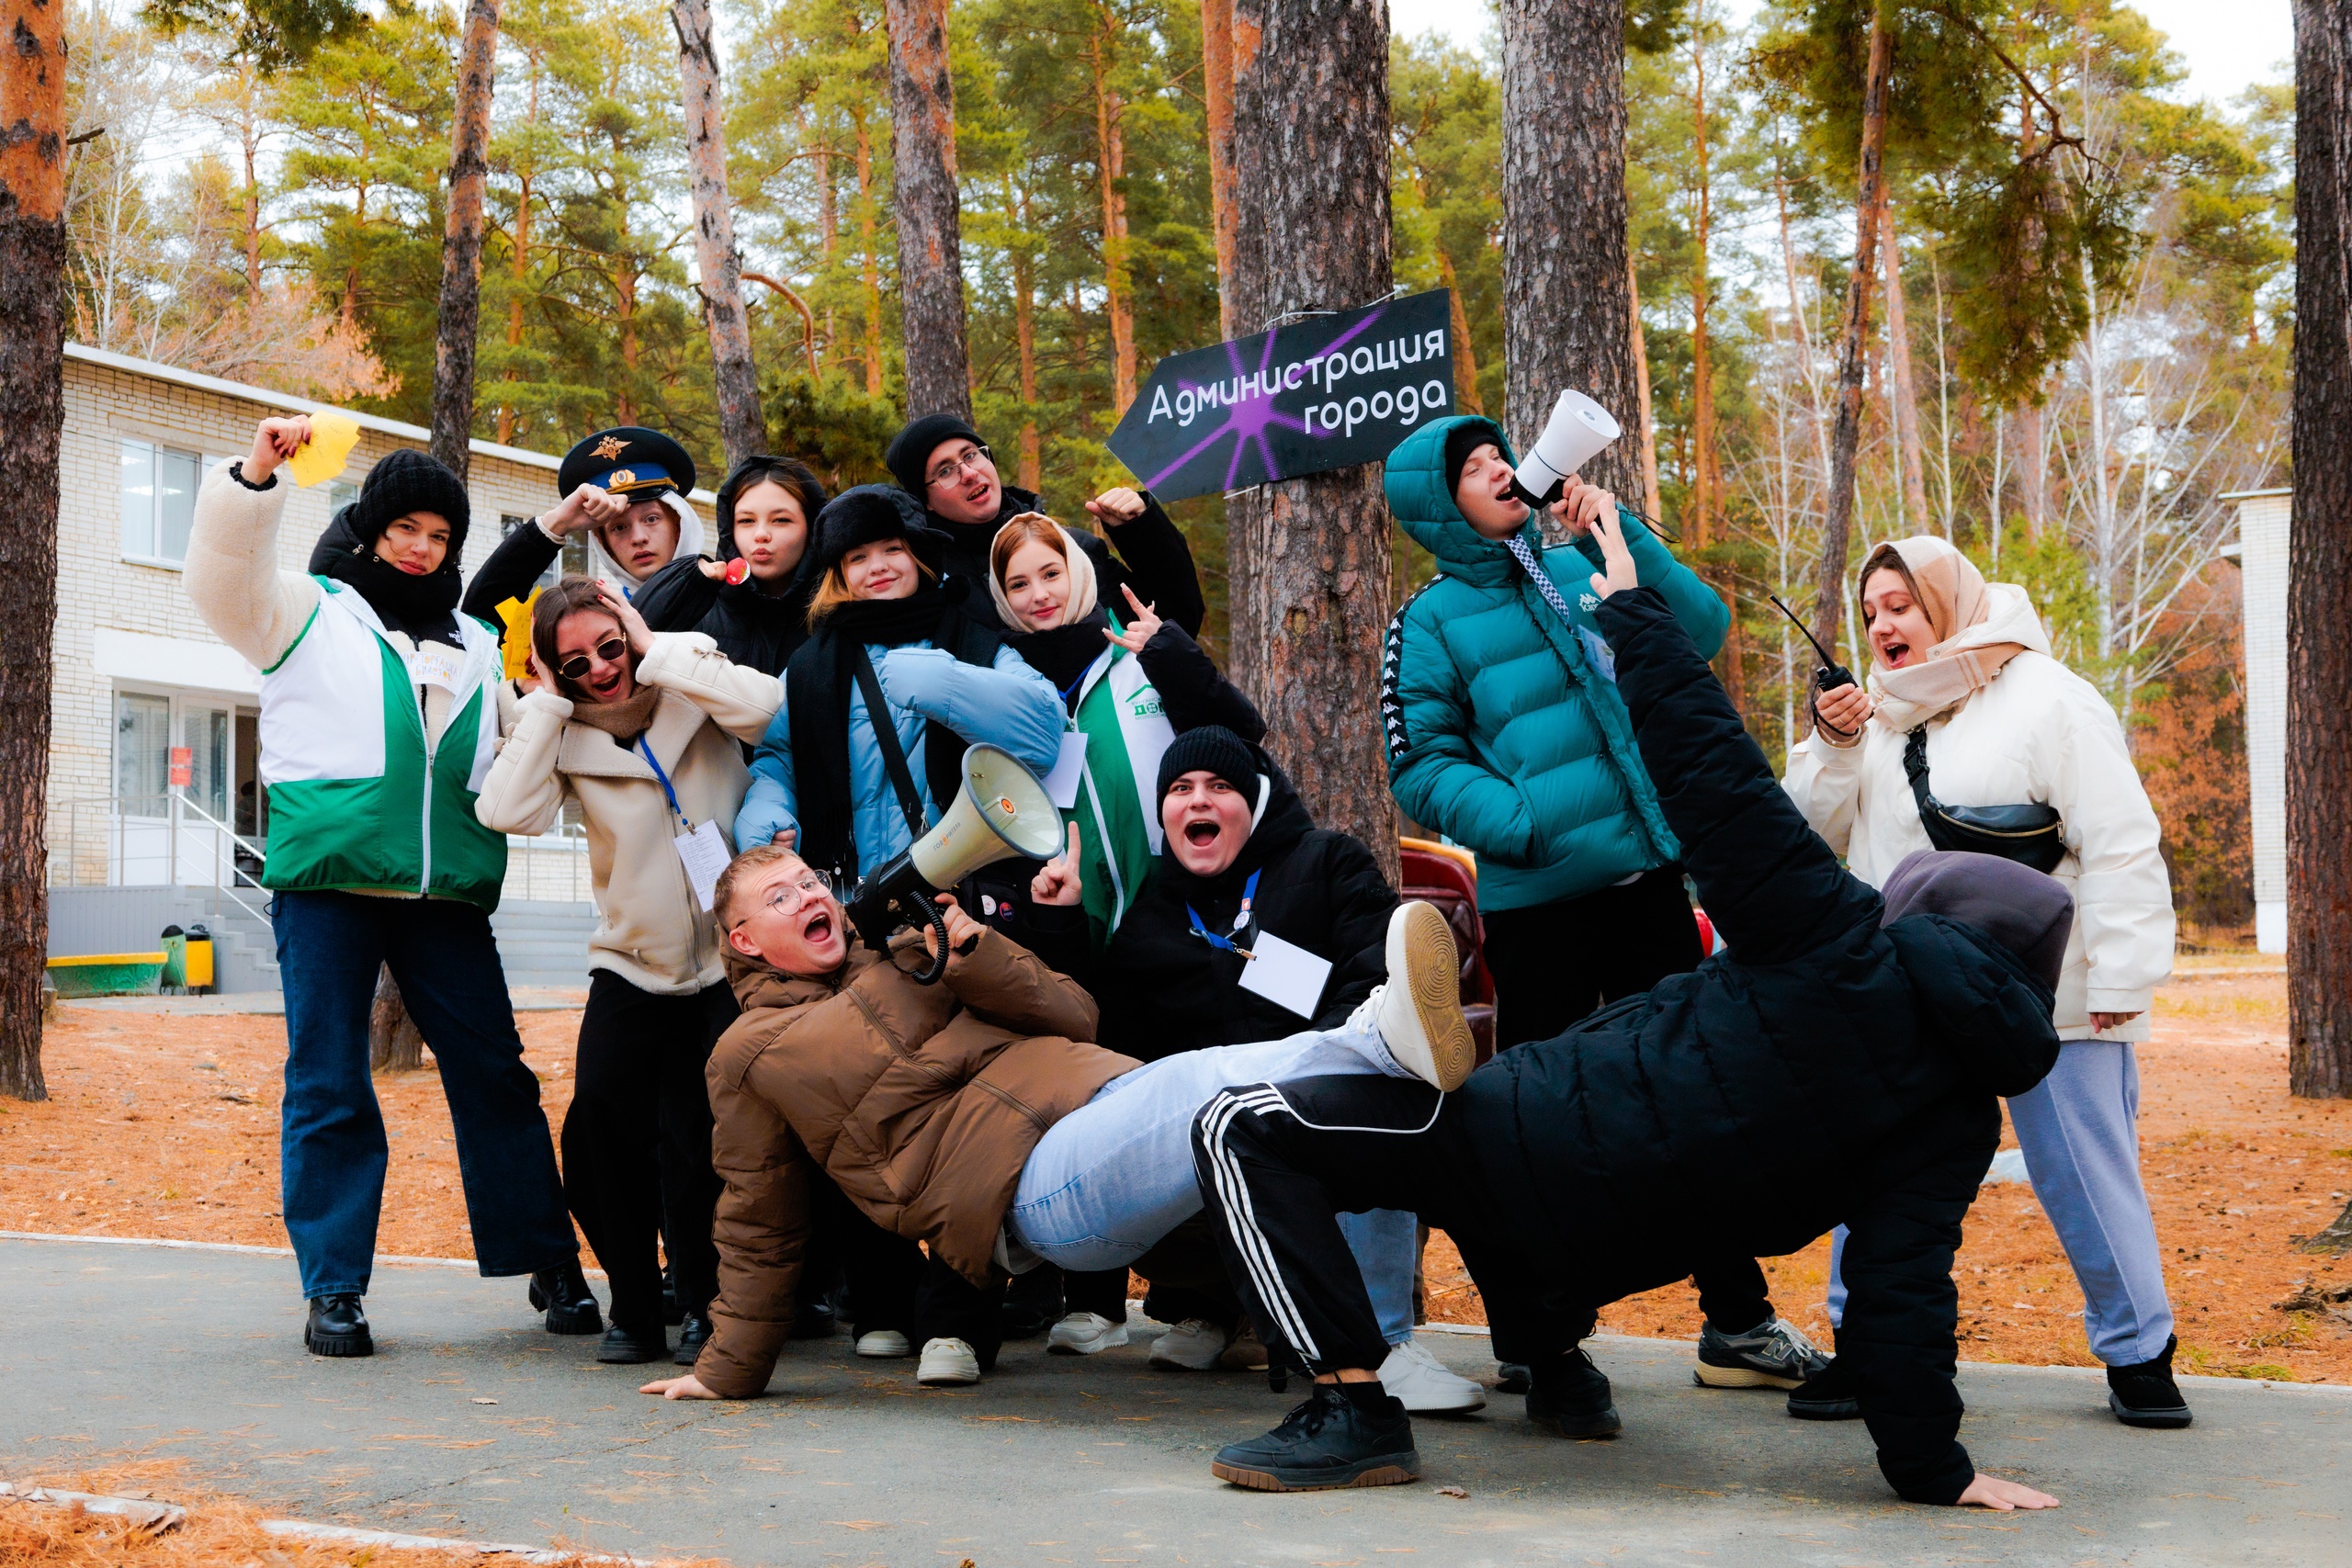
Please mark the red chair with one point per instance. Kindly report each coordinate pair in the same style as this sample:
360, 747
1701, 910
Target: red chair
1448, 877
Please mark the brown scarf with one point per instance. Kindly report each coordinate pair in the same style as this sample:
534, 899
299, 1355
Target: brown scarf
624, 720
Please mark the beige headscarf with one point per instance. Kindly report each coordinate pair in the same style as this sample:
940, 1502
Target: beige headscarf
1979, 627
1082, 591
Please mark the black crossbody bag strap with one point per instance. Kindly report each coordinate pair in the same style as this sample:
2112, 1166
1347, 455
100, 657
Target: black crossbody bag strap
1915, 768
886, 734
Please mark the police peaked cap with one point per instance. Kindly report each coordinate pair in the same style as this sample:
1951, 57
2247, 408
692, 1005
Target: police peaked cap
629, 460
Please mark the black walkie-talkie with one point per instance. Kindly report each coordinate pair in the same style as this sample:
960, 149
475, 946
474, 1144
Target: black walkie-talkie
1830, 675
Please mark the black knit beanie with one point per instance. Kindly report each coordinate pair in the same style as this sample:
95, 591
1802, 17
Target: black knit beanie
911, 450
862, 516
1211, 748
408, 480
1463, 439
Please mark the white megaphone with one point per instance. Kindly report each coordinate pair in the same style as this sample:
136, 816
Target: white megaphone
1574, 435
1001, 811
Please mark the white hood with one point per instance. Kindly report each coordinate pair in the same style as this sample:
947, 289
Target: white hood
691, 542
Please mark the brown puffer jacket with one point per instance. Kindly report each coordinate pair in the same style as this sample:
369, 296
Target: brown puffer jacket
921, 1102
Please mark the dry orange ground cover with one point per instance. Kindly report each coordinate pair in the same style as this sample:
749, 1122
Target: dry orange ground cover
167, 1126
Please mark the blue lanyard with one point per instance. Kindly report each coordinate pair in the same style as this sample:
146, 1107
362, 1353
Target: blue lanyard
673, 794
1249, 895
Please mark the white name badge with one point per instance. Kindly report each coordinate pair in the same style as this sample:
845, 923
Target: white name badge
436, 664
705, 854
1061, 785
1285, 973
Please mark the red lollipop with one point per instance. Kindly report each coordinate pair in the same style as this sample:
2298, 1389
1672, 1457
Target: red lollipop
737, 570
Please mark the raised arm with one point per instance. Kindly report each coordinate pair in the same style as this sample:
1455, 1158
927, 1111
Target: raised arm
742, 702
1009, 705
513, 570
1698, 607
232, 572
1192, 693
676, 597
1155, 557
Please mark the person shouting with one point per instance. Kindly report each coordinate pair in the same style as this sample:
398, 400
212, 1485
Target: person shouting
638, 732
1962, 683
379, 720
625, 489
753, 600
941, 461
1507, 734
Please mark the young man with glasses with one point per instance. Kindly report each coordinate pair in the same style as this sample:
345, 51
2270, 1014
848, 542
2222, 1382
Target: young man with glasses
941, 461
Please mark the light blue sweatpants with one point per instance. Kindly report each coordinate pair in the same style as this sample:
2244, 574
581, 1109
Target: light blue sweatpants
1110, 1179
2079, 1131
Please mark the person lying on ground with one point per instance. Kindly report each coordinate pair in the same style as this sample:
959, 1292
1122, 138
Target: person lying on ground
941, 462
625, 490
640, 733
973, 1115
1507, 734
1845, 1055
1243, 870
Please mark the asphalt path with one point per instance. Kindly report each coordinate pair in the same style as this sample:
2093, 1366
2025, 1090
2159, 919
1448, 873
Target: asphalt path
470, 1421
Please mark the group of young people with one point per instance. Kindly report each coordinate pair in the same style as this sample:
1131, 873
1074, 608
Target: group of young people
1205, 1043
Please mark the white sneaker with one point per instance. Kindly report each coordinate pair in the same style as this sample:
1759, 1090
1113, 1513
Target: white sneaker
1419, 1010
884, 1345
947, 1363
1194, 1345
1083, 1334
1414, 1376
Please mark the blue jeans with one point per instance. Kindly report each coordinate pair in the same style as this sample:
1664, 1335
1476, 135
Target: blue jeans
332, 1147
1110, 1179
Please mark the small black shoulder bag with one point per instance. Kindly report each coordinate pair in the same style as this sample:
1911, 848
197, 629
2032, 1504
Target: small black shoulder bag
2027, 834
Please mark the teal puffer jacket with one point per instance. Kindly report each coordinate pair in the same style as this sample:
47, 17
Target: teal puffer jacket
1505, 729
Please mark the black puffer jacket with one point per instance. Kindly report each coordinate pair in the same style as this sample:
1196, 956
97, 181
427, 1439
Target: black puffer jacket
1157, 562
1163, 989
1823, 1070
512, 571
759, 631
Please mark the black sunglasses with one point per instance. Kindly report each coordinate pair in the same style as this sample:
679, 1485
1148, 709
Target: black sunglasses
610, 650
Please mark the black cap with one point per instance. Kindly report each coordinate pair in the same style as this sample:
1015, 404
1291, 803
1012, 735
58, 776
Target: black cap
911, 449
863, 515
1211, 748
1466, 439
628, 460
407, 480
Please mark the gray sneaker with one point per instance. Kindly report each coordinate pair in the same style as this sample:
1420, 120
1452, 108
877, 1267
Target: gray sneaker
1773, 1354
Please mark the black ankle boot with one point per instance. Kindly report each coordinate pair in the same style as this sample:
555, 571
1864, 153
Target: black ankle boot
338, 1327
628, 1347
1572, 1398
2145, 1395
1333, 1439
1828, 1395
562, 1293
693, 1332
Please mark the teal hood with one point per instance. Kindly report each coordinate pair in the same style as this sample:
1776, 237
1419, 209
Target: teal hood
1420, 500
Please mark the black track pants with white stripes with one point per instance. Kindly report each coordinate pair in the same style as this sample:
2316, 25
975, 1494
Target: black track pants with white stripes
1279, 1163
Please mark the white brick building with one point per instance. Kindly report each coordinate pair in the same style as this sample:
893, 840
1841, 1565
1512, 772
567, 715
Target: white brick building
142, 686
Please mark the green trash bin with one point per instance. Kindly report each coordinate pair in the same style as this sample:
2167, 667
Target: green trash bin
174, 942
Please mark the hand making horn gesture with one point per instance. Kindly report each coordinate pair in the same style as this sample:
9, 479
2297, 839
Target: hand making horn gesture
1141, 629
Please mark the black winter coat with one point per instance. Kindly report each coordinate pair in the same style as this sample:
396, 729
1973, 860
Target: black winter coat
759, 631
1157, 562
1823, 1070
1162, 989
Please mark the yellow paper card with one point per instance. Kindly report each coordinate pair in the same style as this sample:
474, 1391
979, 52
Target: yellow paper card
333, 435
515, 616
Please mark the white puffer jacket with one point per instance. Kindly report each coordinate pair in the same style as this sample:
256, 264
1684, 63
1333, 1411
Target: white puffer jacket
2037, 732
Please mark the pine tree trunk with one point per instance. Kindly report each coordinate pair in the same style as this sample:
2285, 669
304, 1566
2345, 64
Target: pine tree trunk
1836, 533
1909, 448
1466, 357
872, 259
32, 417
741, 430
1024, 331
931, 257
2033, 474
1566, 304
1217, 91
1309, 558
453, 358
2319, 658
1110, 168
394, 1043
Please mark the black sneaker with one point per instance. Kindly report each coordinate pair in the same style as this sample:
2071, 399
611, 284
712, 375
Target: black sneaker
2145, 1395
564, 1295
693, 1332
338, 1327
623, 1346
1033, 1304
1827, 1395
1773, 1354
1329, 1440
1573, 1399
1513, 1377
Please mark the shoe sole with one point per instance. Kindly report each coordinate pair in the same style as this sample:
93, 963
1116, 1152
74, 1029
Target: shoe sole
1091, 1347
1707, 1376
1388, 1470
1168, 1365
577, 1324
633, 1358
1432, 974
886, 1355
1827, 1410
959, 1381
2158, 1420
1608, 1423
338, 1345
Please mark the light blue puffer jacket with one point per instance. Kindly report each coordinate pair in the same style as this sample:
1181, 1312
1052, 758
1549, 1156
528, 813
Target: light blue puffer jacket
1504, 726
1010, 705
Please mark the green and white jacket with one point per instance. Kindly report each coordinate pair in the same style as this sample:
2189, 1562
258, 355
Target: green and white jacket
1127, 730
371, 775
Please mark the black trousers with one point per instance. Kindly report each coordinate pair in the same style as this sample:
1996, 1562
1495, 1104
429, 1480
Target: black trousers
949, 1306
1552, 964
637, 1142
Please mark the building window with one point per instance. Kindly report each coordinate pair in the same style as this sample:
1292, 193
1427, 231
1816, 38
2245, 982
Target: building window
159, 500
205, 732
340, 494
143, 754
572, 560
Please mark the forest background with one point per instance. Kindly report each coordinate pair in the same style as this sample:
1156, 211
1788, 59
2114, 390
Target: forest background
280, 224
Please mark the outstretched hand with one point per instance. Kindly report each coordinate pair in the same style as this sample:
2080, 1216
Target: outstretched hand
687, 1387
2002, 1496
1608, 528
1058, 881
1142, 629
